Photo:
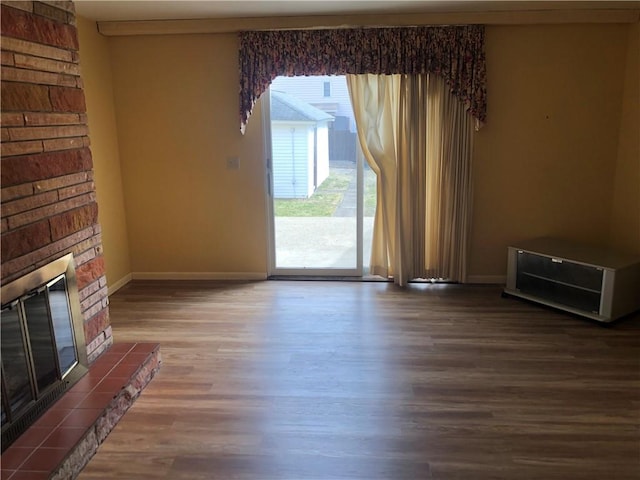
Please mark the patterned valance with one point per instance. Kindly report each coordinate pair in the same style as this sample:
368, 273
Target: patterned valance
454, 52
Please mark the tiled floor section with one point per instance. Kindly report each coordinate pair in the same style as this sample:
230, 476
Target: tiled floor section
39, 451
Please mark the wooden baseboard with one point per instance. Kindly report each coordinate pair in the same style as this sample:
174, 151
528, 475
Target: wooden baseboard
479, 279
199, 276
114, 287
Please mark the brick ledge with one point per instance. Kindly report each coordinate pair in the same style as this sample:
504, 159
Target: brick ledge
134, 363
88, 446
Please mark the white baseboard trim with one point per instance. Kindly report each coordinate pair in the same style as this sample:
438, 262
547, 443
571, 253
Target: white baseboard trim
487, 279
113, 288
199, 276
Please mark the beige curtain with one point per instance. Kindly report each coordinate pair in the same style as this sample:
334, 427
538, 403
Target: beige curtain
417, 137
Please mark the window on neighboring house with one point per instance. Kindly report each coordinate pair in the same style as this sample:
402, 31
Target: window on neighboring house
327, 89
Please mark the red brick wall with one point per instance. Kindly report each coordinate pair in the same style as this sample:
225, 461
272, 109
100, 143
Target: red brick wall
48, 196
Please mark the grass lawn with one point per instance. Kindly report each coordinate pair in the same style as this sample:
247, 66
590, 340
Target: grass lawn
318, 205
370, 194
335, 181
327, 197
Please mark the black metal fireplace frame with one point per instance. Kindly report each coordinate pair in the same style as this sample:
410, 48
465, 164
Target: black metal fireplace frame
24, 287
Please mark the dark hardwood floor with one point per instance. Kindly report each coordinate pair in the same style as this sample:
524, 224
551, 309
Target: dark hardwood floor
284, 380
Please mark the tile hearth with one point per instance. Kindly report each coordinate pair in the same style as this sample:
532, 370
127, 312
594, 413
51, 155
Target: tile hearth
63, 440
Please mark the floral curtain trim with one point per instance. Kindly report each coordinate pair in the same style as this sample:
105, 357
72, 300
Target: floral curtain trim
454, 52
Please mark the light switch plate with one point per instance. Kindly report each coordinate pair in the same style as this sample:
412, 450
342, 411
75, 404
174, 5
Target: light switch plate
233, 163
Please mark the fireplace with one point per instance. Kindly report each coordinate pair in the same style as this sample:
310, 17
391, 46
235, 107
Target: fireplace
43, 350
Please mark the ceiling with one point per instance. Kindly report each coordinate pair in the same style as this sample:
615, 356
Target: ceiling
125, 10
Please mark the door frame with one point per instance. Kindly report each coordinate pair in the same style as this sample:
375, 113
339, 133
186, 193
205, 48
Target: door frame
272, 269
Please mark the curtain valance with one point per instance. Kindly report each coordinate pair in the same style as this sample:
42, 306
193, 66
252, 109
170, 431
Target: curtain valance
454, 52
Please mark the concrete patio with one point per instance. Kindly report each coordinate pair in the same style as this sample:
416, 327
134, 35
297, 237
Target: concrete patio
325, 242
320, 242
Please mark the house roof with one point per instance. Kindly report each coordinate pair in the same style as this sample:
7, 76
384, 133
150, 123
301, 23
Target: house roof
290, 109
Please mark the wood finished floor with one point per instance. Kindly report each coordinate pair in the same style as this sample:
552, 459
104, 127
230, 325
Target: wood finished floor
283, 380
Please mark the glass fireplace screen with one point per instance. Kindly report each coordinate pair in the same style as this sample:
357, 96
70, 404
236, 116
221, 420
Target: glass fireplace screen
42, 351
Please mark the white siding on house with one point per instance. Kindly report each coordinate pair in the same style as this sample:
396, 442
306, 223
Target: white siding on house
323, 152
290, 147
311, 186
311, 90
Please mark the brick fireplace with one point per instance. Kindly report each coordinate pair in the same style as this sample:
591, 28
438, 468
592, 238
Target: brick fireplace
49, 211
48, 195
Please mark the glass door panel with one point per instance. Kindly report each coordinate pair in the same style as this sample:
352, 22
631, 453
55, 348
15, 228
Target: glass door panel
41, 338
316, 179
15, 365
62, 325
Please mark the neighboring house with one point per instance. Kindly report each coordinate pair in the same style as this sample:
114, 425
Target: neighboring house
330, 94
300, 146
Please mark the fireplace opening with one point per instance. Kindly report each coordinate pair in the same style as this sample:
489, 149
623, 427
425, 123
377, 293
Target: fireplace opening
43, 351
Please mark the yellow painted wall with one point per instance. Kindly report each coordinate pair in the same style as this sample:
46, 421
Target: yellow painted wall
96, 75
543, 165
625, 218
178, 122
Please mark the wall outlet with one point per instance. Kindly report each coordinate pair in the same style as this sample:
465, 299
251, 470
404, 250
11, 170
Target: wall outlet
233, 163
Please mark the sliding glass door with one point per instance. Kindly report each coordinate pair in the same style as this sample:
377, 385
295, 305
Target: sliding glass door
320, 216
